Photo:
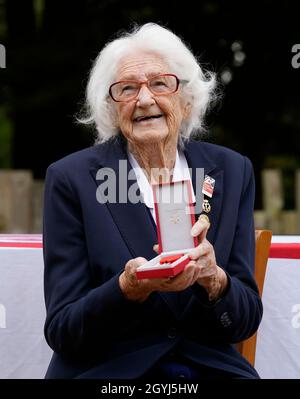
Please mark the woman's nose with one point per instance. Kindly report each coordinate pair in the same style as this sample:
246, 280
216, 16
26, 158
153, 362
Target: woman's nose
145, 97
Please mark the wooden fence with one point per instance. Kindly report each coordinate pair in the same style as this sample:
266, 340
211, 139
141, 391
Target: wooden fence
273, 216
21, 203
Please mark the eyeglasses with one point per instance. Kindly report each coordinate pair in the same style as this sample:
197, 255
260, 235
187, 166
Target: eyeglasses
159, 85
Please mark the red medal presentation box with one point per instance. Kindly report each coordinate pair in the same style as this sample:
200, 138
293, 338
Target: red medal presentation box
175, 217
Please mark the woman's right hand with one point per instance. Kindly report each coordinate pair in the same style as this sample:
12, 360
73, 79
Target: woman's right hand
132, 288
139, 290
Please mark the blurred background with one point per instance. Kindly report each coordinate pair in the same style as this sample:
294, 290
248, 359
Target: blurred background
48, 47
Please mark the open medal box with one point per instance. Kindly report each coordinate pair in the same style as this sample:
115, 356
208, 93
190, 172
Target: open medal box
175, 216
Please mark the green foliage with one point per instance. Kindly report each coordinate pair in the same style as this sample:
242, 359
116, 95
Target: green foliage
2, 20
39, 6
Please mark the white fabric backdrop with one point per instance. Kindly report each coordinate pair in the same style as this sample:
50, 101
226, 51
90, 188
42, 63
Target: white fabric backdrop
278, 337
23, 350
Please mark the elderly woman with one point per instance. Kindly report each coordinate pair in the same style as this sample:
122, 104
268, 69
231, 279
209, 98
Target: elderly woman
147, 95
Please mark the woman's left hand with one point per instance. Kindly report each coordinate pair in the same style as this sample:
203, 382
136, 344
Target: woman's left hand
210, 275
202, 268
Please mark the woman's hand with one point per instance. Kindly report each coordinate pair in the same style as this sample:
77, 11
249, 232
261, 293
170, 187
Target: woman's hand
202, 269
132, 288
210, 275
139, 290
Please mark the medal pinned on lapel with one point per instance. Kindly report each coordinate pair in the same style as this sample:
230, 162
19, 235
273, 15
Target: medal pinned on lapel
206, 207
208, 186
208, 190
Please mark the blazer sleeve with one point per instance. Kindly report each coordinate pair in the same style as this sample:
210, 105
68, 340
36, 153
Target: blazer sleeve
236, 316
80, 315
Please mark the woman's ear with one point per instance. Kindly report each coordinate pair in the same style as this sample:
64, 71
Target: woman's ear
187, 110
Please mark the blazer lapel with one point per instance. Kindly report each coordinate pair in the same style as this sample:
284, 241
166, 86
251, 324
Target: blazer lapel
197, 158
132, 219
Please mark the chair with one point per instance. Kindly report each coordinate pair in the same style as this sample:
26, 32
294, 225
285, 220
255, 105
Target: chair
262, 245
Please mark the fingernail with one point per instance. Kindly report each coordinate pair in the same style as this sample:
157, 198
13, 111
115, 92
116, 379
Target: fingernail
194, 231
192, 255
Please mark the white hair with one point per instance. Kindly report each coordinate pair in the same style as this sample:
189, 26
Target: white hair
199, 91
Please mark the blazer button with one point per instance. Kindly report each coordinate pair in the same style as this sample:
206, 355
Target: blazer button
172, 333
225, 319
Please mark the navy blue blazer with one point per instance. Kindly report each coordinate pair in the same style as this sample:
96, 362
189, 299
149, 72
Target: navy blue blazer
94, 331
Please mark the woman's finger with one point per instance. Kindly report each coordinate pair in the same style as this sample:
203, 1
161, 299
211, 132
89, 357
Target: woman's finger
201, 250
201, 227
155, 248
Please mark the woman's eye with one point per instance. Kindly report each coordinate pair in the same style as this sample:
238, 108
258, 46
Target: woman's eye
158, 83
128, 88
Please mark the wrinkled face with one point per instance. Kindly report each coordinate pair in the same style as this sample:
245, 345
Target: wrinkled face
148, 118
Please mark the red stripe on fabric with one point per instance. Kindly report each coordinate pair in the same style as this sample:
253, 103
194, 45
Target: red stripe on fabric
159, 238
21, 244
26, 237
192, 210
285, 251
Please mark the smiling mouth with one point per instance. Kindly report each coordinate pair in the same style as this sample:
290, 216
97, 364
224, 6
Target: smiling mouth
146, 118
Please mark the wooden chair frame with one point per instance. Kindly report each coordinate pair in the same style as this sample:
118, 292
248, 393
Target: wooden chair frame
262, 245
